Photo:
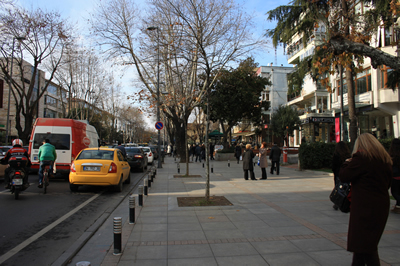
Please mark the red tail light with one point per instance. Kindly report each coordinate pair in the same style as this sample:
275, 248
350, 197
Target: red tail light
73, 168
150, 154
18, 173
113, 168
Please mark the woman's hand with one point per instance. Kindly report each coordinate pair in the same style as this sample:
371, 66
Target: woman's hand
349, 159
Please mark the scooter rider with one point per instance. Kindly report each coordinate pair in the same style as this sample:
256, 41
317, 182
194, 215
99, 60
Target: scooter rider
15, 151
47, 155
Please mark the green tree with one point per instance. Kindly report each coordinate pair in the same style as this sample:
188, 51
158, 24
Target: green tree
284, 120
349, 29
236, 96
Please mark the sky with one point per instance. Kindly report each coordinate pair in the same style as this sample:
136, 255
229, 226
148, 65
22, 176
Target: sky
78, 12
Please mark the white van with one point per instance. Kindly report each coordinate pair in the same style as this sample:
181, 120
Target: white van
69, 137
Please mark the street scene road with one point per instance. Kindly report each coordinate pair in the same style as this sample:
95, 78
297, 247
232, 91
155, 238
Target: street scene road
37, 228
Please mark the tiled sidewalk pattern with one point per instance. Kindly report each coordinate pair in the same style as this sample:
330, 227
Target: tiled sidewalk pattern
286, 220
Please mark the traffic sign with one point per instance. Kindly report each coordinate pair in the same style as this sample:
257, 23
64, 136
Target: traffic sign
159, 125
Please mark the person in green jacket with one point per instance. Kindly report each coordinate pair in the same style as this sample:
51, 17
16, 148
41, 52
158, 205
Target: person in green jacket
47, 155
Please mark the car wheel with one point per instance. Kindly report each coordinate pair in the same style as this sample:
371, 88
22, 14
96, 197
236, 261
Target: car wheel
128, 180
118, 188
73, 188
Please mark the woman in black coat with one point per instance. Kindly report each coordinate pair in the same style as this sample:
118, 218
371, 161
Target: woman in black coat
369, 171
342, 152
248, 156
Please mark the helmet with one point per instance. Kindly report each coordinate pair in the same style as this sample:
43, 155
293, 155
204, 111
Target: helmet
17, 142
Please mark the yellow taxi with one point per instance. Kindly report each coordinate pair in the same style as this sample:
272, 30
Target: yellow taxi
99, 167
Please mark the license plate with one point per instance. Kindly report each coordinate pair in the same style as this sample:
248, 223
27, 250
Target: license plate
17, 182
91, 168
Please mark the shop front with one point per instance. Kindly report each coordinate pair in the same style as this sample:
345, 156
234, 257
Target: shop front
370, 120
318, 129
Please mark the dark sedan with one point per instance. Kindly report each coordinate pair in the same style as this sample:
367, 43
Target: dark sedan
136, 157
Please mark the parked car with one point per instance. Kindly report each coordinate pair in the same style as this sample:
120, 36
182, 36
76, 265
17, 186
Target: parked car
155, 152
99, 167
3, 151
136, 157
149, 153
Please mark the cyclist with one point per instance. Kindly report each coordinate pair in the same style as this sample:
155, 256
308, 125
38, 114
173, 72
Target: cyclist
16, 151
47, 155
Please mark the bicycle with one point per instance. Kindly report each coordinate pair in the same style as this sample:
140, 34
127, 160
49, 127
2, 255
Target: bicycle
45, 178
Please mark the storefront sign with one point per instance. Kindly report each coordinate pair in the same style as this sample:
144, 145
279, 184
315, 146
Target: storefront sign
322, 119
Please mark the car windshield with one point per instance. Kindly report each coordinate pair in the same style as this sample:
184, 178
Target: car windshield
146, 149
96, 154
132, 150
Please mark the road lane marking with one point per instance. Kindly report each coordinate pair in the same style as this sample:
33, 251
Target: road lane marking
36, 236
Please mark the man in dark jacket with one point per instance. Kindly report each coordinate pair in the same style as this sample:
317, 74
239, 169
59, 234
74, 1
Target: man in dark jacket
275, 156
197, 150
248, 156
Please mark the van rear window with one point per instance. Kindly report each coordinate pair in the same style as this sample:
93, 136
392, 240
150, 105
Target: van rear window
60, 141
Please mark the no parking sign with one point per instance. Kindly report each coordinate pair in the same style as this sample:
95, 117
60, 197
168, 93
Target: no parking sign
159, 125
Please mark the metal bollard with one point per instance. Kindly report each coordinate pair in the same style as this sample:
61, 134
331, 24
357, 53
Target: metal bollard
155, 171
145, 184
140, 195
229, 163
132, 205
203, 165
179, 169
117, 235
149, 180
212, 168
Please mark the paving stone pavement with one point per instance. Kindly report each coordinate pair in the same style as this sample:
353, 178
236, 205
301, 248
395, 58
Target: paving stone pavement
285, 220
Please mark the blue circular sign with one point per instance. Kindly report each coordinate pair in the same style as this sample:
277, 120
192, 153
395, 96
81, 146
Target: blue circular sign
159, 125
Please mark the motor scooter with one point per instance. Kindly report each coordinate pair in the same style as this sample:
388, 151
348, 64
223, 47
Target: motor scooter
18, 176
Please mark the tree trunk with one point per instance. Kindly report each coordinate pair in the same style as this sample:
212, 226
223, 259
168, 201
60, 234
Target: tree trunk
352, 106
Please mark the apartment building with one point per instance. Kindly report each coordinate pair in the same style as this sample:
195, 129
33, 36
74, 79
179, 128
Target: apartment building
275, 94
377, 107
48, 106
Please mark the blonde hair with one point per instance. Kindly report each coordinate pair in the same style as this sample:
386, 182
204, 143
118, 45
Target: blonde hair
371, 148
248, 146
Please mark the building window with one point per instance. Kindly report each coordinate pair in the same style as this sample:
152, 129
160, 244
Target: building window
50, 101
384, 76
49, 113
363, 81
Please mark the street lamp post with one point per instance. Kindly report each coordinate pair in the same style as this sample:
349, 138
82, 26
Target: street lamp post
9, 86
158, 91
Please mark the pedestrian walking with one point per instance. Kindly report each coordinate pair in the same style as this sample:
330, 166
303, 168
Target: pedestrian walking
192, 151
369, 172
262, 155
341, 153
203, 152
275, 157
248, 156
169, 150
238, 152
394, 152
212, 151
198, 153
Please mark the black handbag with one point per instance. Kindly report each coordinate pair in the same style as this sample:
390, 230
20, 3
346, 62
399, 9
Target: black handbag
339, 196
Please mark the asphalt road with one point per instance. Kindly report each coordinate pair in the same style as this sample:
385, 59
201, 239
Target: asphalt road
37, 228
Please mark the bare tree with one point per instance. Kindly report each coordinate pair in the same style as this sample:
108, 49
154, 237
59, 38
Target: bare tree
46, 36
192, 37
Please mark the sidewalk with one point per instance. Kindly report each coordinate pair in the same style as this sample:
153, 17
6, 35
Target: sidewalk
285, 220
